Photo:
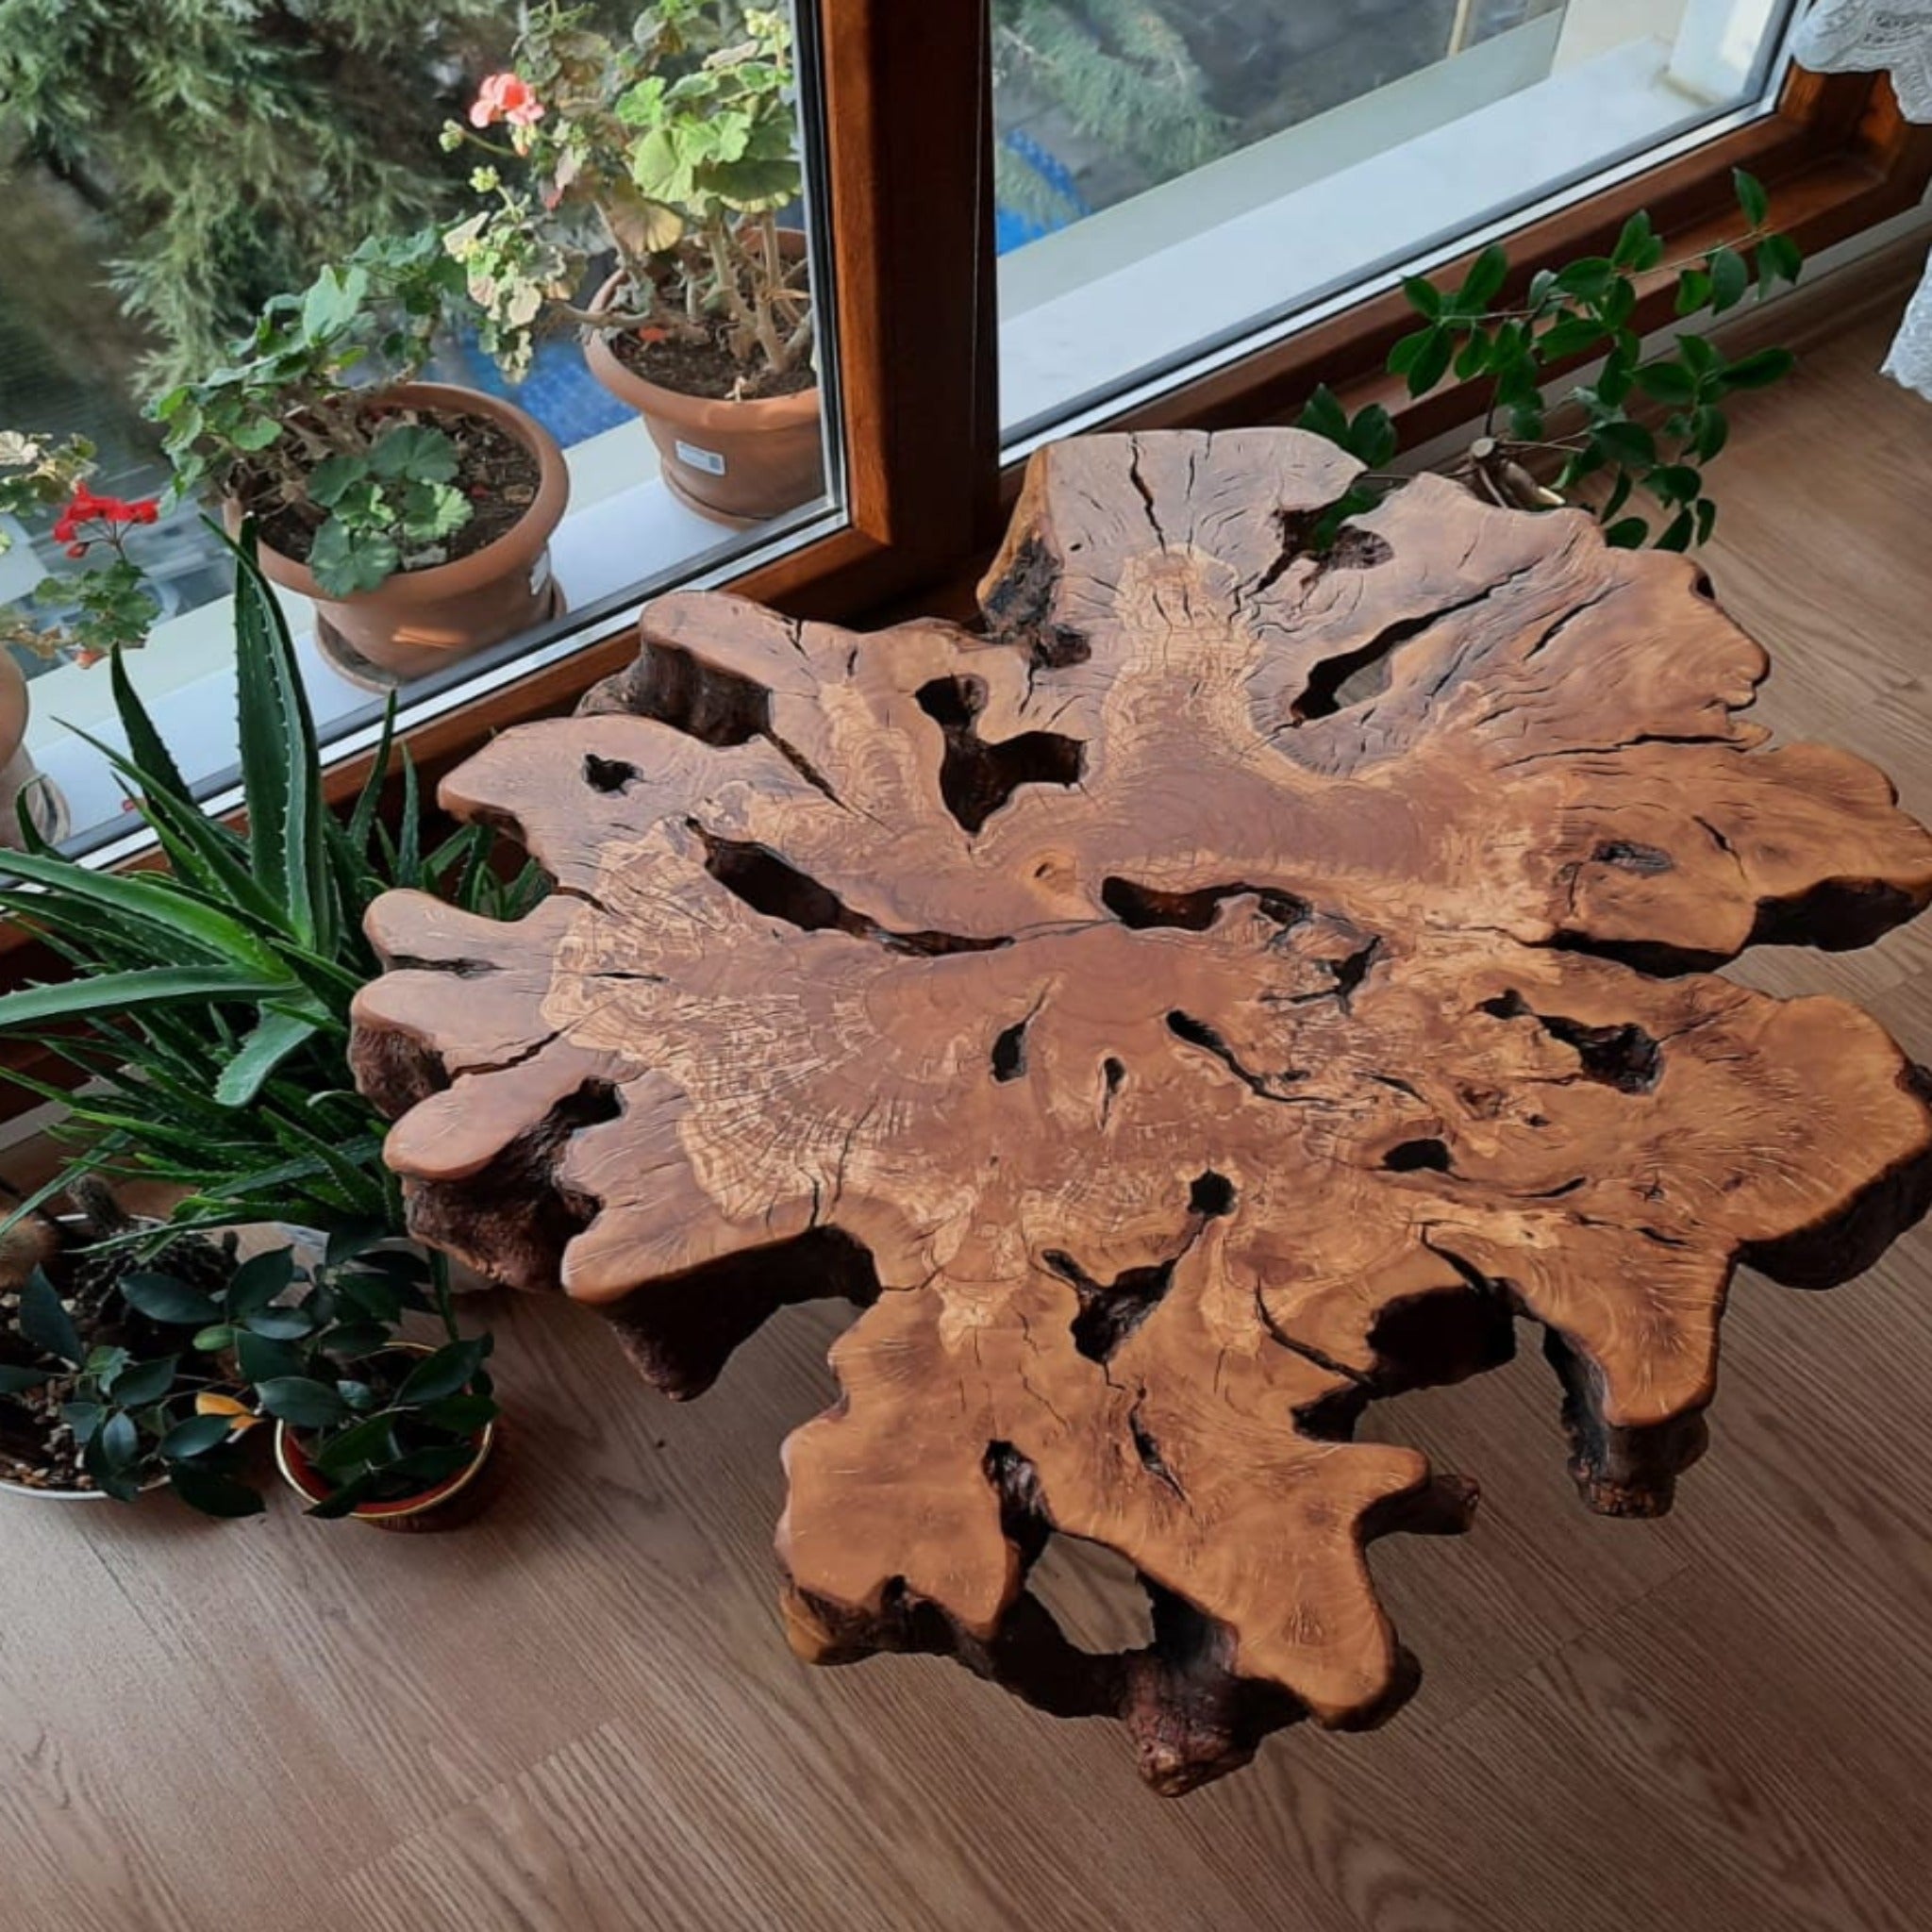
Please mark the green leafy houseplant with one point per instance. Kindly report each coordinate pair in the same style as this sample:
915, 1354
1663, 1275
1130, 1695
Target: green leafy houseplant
1646, 423
320, 1350
209, 1007
132, 1424
389, 505
671, 153
374, 1419
94, 1396
301, 429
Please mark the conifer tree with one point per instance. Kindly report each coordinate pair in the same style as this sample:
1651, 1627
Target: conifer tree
1122, 71
231, 146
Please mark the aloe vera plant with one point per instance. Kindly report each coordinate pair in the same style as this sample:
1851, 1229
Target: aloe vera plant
208, 1010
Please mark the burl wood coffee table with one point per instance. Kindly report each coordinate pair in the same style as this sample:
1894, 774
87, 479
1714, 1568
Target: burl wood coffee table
1240, 985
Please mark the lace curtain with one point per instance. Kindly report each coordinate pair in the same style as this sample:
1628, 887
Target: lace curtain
1855, 35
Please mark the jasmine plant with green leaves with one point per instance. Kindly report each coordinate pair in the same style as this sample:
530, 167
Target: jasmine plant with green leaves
208, 1010
125, 1422
317, 1347
1645, 426
377, 1420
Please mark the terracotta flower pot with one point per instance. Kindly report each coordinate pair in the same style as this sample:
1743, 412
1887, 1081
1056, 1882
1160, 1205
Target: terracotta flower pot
737, 463
18, 771
421, 620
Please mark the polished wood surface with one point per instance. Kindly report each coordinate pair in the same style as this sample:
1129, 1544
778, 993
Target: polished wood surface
576, 1717
1224, 990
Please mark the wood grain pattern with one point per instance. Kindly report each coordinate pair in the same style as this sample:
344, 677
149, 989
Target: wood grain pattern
573, 1718
1231, 991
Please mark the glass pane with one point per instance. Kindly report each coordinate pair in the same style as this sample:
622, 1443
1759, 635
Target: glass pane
165, 182
1173, 174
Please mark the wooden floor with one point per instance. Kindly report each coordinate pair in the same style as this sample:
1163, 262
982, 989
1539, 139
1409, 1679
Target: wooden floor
580, 1716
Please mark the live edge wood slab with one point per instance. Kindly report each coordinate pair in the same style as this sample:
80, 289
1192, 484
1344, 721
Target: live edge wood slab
1241, 984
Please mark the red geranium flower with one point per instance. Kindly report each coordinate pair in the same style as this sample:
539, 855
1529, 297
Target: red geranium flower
84, 507
505, 97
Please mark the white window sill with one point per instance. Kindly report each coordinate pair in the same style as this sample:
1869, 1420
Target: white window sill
1075, 332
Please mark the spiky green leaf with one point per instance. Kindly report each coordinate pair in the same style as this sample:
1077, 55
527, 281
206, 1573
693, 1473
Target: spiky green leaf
276, 1036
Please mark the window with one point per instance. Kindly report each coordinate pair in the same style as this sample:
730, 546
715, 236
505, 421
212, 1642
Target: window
999, 250
150, 245
1174, 175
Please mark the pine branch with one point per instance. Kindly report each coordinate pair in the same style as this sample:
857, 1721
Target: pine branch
1124, 74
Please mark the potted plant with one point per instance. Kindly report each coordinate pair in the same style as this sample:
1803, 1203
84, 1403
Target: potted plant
132, 1375
97, 1398
670, 157
416, 514
81, 615
392, 1432
207, 1021
1643, 424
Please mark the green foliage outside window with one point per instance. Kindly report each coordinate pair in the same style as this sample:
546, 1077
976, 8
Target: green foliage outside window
1123, 74
231, 147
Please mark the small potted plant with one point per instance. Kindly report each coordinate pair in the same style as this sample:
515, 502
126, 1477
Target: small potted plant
670, 155
78, 615
417, 515
393, 1433
100, 1394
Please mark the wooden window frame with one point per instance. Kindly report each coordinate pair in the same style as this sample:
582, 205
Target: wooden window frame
907, 166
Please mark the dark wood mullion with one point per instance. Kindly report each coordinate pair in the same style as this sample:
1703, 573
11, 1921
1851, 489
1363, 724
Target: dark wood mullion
909, 113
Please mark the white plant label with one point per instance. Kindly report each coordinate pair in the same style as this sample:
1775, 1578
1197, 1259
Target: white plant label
708, 460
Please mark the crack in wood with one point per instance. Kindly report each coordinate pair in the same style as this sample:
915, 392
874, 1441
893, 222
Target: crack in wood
769, 885
1623, 1057
1009, 1051
608, 775
1320, 693
1142, 906
1185, 1027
